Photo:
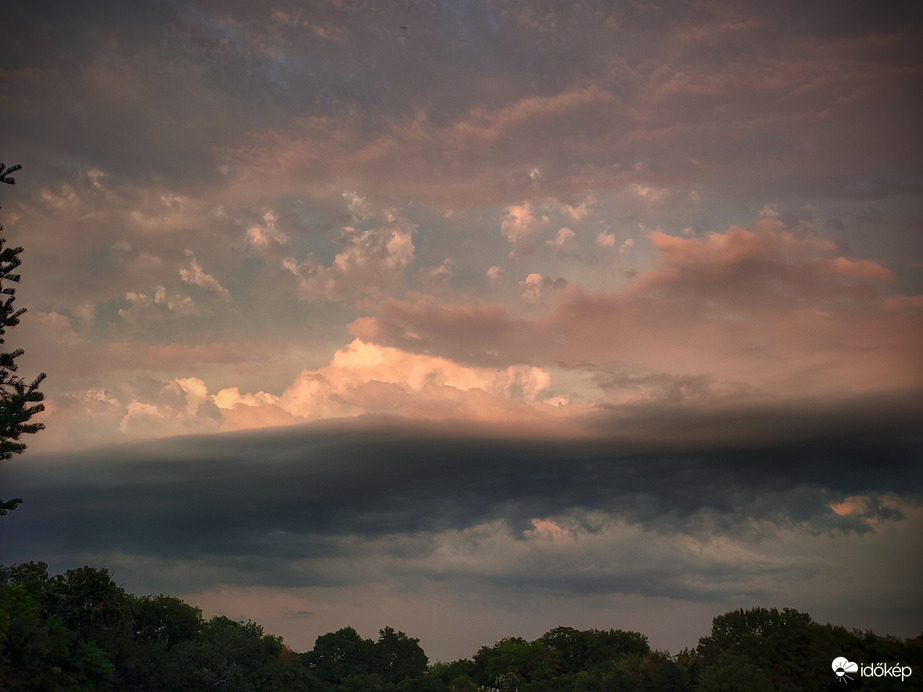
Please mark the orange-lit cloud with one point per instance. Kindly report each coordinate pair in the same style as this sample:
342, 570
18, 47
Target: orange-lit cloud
367, 378
770, 307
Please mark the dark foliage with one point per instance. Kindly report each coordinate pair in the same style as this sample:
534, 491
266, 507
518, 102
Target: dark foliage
19, 400
81, 631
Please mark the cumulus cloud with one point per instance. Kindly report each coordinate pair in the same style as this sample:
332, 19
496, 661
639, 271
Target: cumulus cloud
436, 277
495, 276
580, 211
535, 283
605, 240
195, 275
150, 409
151, 307
266, 234
158, 212
532, 288
368, 263
521, 226
649, 194
563, 235
361, 379
765, 308
366, 378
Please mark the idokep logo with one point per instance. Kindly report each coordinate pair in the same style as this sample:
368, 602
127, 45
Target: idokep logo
843, 666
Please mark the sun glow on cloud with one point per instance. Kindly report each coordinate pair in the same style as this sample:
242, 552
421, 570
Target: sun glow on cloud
785, 299
368, 378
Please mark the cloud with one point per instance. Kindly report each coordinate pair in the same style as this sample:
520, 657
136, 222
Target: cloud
369, 262
179, 406
580, 211
665, 482
605, 240
151, 307
521, 226
370, 502
266, 234
791, 342
366, 378
768, 262
772, 308
535, 283
563, 235
436, 277
360, 379
495, 276
195, 275
478, 146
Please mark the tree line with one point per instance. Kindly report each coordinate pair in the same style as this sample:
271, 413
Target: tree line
81, 631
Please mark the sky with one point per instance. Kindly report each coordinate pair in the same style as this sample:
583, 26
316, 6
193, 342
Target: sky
473, 318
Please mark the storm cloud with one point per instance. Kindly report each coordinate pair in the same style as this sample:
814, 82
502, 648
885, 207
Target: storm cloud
472, 319
640, 511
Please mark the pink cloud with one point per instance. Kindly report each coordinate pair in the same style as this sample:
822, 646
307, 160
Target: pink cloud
365, 378
563, 236
605, 240
438, 276
475, 153
759, 309
369, 262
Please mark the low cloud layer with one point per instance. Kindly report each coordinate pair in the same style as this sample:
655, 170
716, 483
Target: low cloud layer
632, 514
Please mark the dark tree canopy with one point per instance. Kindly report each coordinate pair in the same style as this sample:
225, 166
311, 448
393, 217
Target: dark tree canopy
81, 631
19, 400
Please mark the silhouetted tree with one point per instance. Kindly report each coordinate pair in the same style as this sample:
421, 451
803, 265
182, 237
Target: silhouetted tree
340, 655
397, 656
81, 631
780, 643
19, 401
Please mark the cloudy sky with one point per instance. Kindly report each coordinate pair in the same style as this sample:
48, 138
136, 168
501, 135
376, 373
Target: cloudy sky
473, 318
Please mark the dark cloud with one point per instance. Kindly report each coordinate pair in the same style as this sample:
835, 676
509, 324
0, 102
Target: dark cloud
296, 493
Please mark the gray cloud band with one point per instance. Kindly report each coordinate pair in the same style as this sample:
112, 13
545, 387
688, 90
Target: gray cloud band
296, 493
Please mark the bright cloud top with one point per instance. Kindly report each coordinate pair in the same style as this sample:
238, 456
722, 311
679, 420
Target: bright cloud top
367, 378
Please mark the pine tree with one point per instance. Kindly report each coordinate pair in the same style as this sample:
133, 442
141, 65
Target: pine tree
19, 401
